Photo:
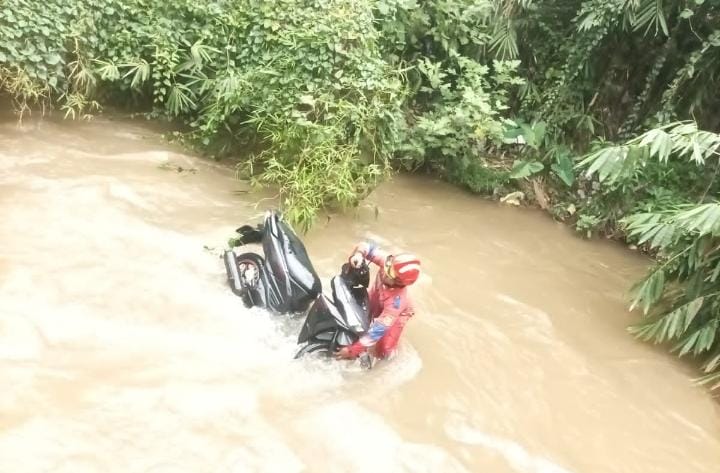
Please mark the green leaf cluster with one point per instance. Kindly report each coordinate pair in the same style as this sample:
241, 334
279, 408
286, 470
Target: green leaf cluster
680, 296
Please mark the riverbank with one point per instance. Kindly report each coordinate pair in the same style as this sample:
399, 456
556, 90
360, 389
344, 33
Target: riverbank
127, 352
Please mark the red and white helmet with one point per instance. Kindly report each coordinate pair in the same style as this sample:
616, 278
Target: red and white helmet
403, 268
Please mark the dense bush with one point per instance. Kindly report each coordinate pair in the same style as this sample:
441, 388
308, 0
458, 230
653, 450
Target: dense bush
317, 88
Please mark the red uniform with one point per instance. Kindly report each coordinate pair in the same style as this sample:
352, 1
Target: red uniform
390, 309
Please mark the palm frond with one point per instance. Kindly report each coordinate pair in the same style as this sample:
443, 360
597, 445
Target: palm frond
649, 13
711, 380
504, 40
180, 99
698, 341
139, 70
108, 70
680, 139
649, 291
671, 325
198, 55
663, 228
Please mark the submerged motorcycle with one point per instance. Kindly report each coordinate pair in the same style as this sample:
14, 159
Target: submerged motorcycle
284, 281
333, 323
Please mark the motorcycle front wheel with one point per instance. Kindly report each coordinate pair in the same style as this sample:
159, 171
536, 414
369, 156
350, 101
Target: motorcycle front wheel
249, 268
323, 348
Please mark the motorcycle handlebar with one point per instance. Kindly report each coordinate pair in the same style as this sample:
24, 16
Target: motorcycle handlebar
356, 276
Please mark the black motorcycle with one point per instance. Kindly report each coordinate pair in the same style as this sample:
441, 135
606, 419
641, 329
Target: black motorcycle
286, 282
333, 323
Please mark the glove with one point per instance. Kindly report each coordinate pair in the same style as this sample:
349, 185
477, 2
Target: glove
357, 260
344, 354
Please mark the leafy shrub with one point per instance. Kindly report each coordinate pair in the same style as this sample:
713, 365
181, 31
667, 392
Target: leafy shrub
281, 77
681, 295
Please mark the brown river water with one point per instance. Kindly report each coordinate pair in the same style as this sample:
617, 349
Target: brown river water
122, 350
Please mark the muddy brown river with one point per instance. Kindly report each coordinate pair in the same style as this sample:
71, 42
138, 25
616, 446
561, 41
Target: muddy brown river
122, 350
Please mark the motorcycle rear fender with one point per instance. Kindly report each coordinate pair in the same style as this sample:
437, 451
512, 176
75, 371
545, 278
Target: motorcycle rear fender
292, 272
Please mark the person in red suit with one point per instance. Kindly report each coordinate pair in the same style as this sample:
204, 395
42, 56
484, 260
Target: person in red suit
389, 302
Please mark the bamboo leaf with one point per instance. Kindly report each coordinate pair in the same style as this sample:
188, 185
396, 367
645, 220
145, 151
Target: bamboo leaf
673, 325
649, 232
664, 236
687, 344
649, 291
703, 219
660, 145
713, 380
707, 337
713, 362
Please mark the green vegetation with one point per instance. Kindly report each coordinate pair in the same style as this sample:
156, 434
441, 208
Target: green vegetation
680, 297
329, 95
323, 98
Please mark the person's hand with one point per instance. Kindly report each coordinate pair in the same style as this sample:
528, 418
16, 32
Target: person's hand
344, 354
356, 260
